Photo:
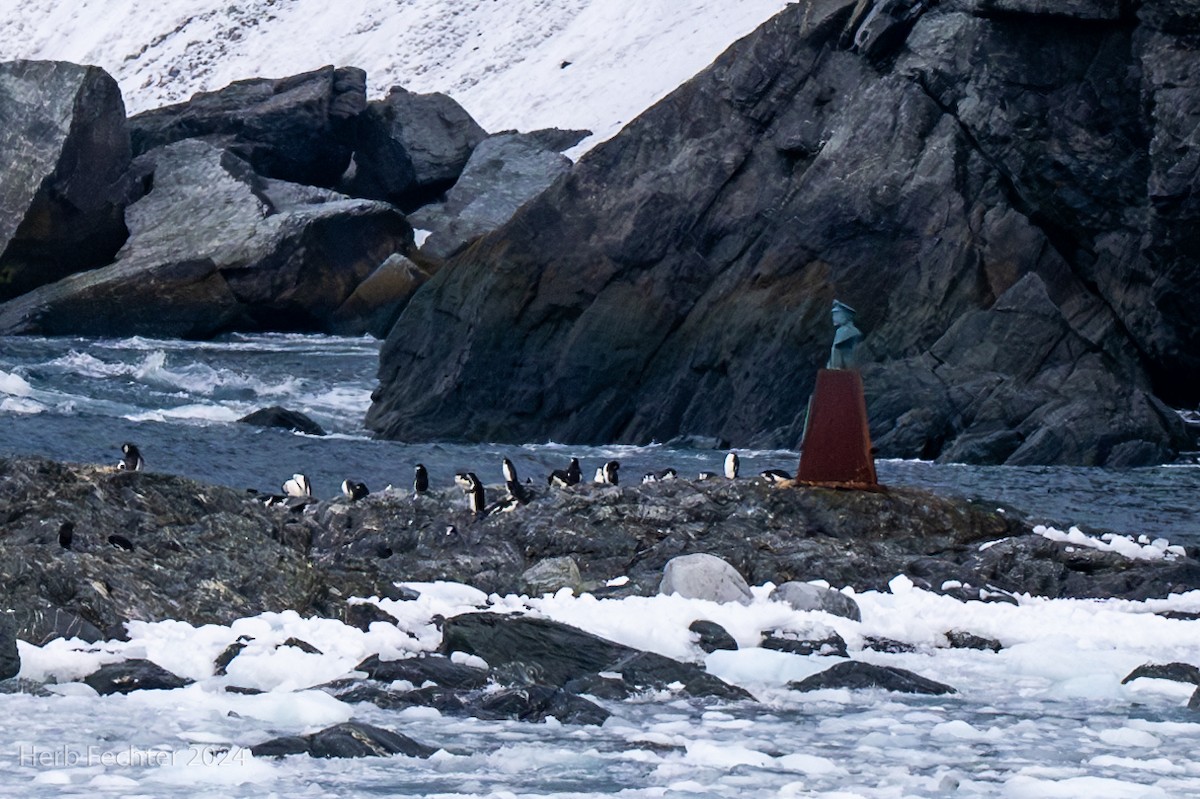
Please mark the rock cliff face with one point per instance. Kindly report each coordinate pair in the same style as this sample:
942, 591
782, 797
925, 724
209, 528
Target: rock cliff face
64, 152
1005, 190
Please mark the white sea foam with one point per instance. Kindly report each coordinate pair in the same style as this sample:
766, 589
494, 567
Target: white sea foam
14, 385
1046, 716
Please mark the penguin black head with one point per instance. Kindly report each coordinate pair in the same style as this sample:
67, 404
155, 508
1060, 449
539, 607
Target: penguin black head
610, 472
131, 458
354, 490
420, 479
574, 473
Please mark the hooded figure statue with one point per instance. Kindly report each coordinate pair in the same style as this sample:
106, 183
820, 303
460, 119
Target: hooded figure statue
845, 338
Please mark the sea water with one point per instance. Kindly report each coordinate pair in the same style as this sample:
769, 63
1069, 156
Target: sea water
1047, 716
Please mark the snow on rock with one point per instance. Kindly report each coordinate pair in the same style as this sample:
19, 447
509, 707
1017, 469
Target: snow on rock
1141, 549
523, 64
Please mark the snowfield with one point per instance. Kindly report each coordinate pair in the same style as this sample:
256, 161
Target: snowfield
513, 64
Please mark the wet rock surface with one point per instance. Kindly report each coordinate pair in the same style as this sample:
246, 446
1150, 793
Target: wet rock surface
204, 553
351, 739
276, 416
133, 675
10, 659
855, 674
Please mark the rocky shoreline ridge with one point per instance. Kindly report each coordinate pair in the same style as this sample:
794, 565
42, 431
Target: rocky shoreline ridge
86, 549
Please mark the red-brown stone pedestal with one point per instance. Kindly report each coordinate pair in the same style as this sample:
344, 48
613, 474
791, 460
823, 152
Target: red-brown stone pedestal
837, 441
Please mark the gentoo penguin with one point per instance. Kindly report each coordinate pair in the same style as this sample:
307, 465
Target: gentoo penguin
568, 477
510, 471
731, 466
297, 486
354, 490
420, 479
471, 486
66, 534
131, 458
776, 475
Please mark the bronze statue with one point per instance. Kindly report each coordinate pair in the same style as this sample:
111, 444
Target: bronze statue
845, 338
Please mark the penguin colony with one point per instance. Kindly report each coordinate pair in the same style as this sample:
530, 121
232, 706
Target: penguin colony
297, 490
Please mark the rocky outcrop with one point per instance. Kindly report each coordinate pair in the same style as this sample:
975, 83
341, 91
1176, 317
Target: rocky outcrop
855, 674
133, 675
215, 247
65, 152
1005, 190
283, 418
207, 554
376, 302
411, 148
350, 739
505, 172
300, 128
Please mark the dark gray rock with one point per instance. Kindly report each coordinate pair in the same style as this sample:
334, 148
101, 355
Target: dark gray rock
804, 643
419, 670
555, 654
133, 675
549, 575
445, 700
411, 148
711, 636
803, 596
299, 128
704, 576
694, 256
854, 674
303, 646
889, 645
961, 639
504, 173
213, 248
1179, 672
376, 302
555, 139
363, 614
276, 416
65, 149
10, 659
537, 703
351, 739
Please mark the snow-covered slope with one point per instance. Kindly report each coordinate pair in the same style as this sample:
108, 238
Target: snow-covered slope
521, 64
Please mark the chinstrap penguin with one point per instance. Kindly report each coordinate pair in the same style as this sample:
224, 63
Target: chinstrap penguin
476, 497
131, 458
297, 486
420, 479
732, 464
564, 478
354, 490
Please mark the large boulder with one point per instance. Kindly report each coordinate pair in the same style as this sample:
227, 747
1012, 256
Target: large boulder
411, 148
215, 247
505, 172
893, 156
349, 739
704, 576
299, 128
374, 305
805, 596
65, 152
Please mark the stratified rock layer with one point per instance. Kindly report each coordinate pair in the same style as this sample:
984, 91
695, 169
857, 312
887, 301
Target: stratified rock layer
1005, 190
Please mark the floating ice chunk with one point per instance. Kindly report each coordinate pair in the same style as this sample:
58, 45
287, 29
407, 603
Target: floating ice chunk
1159, 765
811, 764
1126, 736
725, 755
959, 730
235, 766
1027, 787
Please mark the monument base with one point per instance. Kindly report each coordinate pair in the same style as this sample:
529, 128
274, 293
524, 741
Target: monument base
837, 441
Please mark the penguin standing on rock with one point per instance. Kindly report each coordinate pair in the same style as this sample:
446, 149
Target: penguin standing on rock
519, 493
354, 491
297, 486
131, 458
471, 486
564, 478
608, 473
732, 464
510, 471
420, 479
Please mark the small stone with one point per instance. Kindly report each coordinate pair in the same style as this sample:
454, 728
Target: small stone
711, 636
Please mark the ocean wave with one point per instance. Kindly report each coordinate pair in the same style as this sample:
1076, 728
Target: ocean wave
14, 385
197, 412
